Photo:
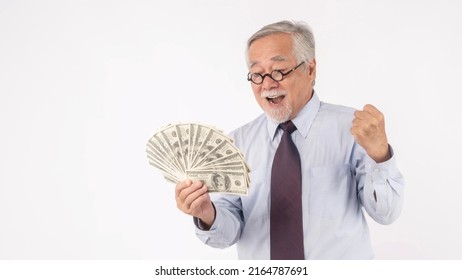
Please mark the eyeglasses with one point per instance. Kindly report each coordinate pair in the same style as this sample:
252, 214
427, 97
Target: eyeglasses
276, 75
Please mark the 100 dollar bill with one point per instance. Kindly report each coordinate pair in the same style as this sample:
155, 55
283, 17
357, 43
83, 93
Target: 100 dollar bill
221, 181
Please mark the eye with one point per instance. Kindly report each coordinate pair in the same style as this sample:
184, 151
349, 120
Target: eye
256, 78
277, 75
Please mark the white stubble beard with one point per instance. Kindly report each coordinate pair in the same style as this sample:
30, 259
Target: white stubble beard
280, 114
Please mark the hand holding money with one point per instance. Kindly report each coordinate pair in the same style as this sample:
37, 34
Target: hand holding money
192, 198
199, 153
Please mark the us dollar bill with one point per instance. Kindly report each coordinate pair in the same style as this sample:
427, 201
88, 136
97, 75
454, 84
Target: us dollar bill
227, 159
156, 145
201, 134
183, 131
165, 168
220, 181
219, 147
170, 135
199, 152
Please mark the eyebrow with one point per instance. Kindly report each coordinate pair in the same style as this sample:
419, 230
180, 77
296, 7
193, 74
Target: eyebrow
277, 58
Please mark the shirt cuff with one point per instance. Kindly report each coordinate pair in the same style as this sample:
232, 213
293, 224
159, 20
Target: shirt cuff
200, 225
380, 173
384, 169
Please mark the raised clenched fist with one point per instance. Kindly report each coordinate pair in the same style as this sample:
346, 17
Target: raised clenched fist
368, 130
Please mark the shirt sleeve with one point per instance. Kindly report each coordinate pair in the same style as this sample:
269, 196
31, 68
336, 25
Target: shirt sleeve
380, 187
227, 227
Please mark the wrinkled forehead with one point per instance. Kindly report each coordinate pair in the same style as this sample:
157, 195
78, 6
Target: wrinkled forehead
273, 48
277, 58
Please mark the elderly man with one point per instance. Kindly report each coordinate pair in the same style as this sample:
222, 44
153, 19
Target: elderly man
315, 166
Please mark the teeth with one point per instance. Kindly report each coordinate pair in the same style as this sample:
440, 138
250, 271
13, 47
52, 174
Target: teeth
275, 100
273, 94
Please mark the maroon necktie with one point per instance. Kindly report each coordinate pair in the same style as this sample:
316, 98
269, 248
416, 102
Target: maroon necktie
286, 226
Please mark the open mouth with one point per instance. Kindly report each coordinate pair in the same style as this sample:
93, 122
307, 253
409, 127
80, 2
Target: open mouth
275, 100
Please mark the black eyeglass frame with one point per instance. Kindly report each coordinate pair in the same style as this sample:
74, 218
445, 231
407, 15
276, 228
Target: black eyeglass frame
283, 75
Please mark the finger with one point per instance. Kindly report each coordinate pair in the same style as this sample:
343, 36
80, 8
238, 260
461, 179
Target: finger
365, 124
181, 186
357, 132
371, 109
362, 115
357, 122
187, 191
199, 203
187, 196
192, 197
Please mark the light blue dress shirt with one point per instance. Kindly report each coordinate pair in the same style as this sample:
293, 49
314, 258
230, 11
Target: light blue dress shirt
338, 181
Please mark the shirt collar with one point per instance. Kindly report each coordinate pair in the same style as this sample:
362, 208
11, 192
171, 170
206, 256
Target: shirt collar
302, 121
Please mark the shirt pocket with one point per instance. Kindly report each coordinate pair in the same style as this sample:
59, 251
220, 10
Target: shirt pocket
331, 191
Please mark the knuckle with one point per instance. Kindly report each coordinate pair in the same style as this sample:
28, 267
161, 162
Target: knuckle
188, 200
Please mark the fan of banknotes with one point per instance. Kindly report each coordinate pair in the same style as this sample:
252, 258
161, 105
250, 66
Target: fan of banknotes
199, 152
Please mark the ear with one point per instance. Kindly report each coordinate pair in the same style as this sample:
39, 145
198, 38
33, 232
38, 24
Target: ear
312, 68
311, 71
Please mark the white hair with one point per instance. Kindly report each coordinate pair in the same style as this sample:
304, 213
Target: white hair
302, 36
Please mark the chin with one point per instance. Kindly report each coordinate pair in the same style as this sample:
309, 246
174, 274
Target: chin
280, 114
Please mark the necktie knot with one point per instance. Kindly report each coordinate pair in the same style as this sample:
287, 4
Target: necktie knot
288, 126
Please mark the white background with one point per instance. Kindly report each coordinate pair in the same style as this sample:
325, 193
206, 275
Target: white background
84, 84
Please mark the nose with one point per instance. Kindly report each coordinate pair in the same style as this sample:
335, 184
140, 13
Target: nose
269, 83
